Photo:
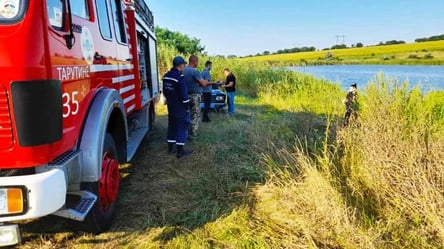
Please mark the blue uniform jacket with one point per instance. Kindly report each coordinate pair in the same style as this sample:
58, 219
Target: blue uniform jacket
176, 92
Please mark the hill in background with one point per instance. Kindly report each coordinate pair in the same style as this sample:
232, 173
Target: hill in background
421, 53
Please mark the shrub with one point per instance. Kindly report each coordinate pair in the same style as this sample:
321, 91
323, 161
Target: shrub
428, 56
329, 56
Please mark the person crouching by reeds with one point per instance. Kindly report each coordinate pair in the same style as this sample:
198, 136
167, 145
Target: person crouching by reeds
351, 104
230, 87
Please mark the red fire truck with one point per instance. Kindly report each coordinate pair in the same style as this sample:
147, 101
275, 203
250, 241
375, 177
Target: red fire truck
78, 85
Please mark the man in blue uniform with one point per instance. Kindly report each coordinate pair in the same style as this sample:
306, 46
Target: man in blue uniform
176, 94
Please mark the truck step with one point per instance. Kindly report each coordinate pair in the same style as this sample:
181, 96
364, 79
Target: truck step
78, 211
134, 141
139, 128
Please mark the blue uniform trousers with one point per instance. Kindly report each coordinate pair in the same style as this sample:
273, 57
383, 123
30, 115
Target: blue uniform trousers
178, 121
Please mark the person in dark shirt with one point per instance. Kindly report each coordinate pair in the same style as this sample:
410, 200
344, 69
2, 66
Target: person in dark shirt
176, 94
351, 104
230, 87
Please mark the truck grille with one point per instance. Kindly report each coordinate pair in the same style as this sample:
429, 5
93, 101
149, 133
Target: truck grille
17, 172
5, 121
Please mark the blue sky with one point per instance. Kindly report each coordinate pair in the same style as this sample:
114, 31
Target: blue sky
243, 27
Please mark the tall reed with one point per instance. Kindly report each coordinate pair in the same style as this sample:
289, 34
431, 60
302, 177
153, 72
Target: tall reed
379, 184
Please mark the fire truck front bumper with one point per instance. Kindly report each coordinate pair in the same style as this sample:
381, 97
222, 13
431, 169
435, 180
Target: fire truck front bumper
29, 197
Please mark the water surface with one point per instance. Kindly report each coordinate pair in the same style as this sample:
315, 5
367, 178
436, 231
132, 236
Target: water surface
426, 77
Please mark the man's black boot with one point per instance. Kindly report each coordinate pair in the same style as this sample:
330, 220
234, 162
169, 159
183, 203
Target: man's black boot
171, 148
181, 152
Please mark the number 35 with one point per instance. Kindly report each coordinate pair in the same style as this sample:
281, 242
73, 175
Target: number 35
70, 104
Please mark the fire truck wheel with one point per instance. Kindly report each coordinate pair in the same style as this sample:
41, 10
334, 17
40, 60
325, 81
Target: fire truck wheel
101, 216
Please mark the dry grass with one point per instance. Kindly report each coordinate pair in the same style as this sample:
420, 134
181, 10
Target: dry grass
163, 198
379, 184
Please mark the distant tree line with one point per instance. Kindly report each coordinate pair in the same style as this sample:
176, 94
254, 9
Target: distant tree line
295, 50
431, 38
339, 46
287, 51
392, 42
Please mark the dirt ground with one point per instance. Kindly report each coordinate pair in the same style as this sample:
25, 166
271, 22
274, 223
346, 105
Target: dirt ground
157, 191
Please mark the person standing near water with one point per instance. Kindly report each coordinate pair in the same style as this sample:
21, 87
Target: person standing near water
351, 104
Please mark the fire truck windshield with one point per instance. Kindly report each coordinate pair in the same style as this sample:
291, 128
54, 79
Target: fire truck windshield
11, 10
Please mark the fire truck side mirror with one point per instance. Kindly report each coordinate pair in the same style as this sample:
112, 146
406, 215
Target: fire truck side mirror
69, 38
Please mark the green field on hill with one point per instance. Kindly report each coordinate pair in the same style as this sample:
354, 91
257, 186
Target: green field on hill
426, 53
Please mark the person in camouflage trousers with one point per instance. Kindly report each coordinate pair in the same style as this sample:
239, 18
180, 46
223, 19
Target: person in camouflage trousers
195, 113
194, 81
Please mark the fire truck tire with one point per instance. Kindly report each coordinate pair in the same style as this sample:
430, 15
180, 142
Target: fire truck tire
101, 216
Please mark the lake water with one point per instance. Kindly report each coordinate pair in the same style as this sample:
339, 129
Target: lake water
427, 77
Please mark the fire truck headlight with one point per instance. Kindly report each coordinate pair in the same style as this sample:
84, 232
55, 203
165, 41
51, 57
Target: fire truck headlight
9, 235
11, 201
